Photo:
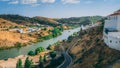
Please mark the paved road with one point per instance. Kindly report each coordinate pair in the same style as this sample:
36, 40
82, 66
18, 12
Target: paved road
68, 58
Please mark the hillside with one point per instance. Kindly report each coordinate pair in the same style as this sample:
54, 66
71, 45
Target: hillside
10, 39
48, 21
81, 20
91, 52
28, 21
7, 24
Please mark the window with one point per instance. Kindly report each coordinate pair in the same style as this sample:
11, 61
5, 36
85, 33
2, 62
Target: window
110, 41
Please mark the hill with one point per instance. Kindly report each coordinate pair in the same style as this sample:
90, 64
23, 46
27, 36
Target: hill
28, 21
92, 52
48, 21
7, 24
80, 20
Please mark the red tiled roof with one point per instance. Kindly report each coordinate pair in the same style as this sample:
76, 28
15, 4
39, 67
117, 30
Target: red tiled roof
115, 13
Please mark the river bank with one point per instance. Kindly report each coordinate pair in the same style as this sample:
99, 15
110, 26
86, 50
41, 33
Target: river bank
13, 52
58, 47
11, 39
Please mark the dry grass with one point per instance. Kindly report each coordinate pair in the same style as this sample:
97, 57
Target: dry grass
91, 52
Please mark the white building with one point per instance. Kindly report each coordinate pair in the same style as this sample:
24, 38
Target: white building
111, 33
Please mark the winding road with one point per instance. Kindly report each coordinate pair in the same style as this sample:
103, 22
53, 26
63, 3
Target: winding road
68, 58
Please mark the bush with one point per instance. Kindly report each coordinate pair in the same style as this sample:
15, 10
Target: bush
53, 54
31, 53
19, 64
49, 47
39, 49
28, 63
70, 38
18, 44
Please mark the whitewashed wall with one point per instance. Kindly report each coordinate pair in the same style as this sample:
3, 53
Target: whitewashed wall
115, 40
118, 25
110, 24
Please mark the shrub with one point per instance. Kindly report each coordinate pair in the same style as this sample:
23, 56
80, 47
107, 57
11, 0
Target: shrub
53, 54
18, 44
31, 53
39, 49
28, 63
19, 64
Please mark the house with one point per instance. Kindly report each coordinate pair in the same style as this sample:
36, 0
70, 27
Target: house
111, 32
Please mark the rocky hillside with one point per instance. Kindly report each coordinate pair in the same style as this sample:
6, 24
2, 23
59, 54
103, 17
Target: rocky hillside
91, 51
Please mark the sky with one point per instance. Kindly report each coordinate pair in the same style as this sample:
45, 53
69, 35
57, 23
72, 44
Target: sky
59, 8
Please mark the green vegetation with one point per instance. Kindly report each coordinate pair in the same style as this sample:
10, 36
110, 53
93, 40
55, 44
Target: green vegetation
53, 54
44, 58
19, 64
80, 20
31, 53
56, 32
39, 49
70, 38
18, 44
41, 62
28, 63
28, 21
49, 47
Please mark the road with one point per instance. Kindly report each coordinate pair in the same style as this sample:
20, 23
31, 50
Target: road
68, 58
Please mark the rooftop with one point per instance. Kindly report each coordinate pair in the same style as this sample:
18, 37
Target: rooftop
115, 13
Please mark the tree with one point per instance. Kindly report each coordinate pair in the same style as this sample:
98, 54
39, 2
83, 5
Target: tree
40, 59
41, 62
19, 64
56, 32
70, 38
40, 49
31, 53
49, 47
44, 59
53, 54
28, 63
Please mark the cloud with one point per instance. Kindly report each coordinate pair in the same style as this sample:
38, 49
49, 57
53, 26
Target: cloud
48, 1
14, 2
34, 5
28, 1
70, 1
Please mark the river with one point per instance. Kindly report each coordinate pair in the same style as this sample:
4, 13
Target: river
13, 52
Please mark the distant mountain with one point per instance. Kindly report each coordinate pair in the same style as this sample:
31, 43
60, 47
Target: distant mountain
28, 21
49, 21
80, 20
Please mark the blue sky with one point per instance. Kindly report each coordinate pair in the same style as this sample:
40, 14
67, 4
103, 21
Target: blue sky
59, 8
